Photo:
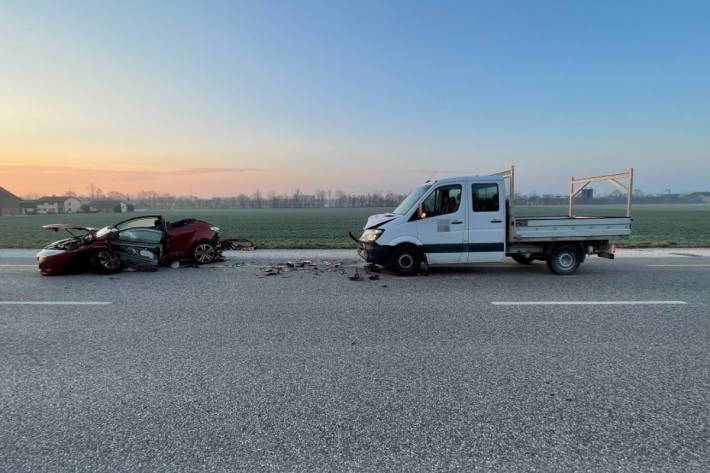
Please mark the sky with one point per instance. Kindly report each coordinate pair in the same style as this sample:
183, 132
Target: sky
219, 98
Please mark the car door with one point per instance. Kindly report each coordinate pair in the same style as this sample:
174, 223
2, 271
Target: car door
139, 242
486, 233
441, 224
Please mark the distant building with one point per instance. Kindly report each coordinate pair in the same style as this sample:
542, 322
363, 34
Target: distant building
109, 206
587, 195
140, 206
9, 203
28, 207
62, 204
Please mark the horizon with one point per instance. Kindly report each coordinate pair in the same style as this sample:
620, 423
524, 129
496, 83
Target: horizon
226, 98
328, 193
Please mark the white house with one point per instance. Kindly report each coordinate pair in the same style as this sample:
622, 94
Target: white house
57, 204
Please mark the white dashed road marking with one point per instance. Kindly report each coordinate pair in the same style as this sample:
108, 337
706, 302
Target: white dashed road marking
54, 303
591, 303
679, 265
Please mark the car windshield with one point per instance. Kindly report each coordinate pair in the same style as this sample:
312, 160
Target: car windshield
411, 199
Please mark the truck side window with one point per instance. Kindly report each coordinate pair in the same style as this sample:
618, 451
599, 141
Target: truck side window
444, 200
485, 198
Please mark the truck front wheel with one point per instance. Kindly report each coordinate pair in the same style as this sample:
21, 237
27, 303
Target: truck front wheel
405, 261
564, 260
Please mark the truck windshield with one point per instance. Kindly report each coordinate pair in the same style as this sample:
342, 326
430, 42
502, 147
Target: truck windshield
411, 199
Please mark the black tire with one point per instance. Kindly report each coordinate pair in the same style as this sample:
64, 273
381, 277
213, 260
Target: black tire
522, 259
103, 262
405, 261
564, 260
204, 252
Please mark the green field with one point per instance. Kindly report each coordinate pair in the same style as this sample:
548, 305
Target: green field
654, 225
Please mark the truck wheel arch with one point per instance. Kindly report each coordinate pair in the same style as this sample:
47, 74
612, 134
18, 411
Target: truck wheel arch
579, 245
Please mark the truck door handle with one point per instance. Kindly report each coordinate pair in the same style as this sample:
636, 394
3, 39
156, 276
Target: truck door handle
456, 222
495, 220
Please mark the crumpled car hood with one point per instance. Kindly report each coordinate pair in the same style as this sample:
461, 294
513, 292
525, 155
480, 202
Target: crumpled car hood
374, 221
74, 241
67, 226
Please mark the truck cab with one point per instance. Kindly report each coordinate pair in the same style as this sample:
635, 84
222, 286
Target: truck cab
450, 221
462, 220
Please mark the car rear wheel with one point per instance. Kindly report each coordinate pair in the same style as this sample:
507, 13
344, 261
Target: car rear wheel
405, 261
104, 262
564, 260
522, 259
204, 252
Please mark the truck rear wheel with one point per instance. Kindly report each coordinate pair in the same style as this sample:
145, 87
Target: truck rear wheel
405, 261
564, 260
522, 259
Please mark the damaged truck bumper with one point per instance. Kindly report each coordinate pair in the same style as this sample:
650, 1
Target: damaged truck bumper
372, 252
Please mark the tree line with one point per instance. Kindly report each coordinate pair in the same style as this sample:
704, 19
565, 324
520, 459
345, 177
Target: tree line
341, 199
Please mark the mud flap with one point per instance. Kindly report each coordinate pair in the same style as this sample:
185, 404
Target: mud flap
606, 250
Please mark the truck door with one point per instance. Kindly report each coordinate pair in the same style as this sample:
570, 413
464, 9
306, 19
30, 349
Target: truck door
486, 233
441, 225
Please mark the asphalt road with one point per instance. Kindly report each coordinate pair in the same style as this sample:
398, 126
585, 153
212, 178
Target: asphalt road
223, 368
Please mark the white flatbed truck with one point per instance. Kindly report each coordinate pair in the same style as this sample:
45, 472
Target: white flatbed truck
471, 219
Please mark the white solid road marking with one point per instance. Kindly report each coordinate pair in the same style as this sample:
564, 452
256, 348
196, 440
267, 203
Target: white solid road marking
18, 265
54, 303
591, 303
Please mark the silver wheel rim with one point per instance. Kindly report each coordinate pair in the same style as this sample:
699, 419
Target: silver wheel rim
107, 261
565, 260
204, 253
405, 261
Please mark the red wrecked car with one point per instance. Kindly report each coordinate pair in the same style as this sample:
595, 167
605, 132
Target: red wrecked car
142, 243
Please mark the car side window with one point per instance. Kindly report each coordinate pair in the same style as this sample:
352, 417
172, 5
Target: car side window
142, 235
140, 222
444, 200
485, 198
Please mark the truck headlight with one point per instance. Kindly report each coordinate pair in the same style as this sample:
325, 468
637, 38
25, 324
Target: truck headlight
371, 235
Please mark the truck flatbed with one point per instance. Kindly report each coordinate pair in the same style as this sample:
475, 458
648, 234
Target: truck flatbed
539, 229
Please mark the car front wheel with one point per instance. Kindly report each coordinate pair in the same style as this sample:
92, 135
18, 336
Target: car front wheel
204, 252
103, 262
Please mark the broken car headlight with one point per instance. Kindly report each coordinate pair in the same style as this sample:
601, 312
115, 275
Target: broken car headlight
371, 235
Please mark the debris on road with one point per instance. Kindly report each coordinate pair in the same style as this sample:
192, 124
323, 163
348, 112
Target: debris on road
273, 271
236, 244
313, 267
355, 277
